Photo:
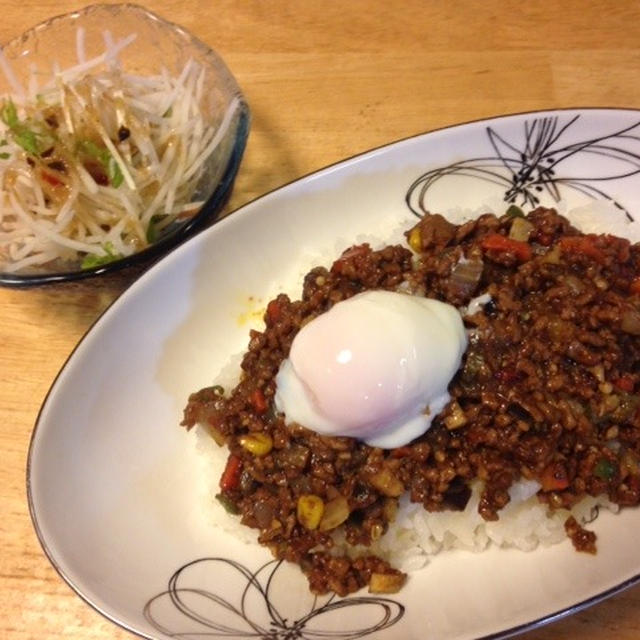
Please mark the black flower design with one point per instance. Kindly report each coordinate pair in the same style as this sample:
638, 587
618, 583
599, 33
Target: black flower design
219, 597
541, 163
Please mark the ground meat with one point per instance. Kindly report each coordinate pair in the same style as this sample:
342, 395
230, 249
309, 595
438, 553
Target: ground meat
582, 539
548, 390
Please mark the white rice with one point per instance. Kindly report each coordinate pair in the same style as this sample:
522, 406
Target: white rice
212, 460
523, 524
416, 535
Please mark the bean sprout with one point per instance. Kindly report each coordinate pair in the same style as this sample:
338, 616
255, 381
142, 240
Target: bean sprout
96, 162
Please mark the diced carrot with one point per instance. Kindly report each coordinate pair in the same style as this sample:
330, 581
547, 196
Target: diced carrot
582, 245
231, 475
624, 383
554, 477
497, 242
258, 401
634, 287
349, 254
401, 452
274, 311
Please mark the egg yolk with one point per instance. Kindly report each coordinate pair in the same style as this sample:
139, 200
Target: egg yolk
374, 367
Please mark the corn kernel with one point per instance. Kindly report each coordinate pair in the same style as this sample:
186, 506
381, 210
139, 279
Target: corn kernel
309, 511
415, 239
259, 444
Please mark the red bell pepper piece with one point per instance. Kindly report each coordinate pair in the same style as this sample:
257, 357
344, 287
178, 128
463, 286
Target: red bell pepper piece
497, 242
231, 475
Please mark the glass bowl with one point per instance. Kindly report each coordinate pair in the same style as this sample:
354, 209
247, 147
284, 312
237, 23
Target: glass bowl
146, 46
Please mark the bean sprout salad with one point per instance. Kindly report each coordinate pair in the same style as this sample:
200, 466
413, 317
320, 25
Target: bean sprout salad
97, 163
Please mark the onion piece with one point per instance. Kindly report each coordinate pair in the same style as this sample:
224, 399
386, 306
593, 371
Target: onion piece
520, 230
465, 277
336, 511
630, 322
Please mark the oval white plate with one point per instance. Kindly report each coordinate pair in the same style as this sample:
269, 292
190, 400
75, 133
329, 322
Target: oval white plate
115, 486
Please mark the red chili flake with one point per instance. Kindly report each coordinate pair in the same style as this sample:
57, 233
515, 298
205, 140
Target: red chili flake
51, 179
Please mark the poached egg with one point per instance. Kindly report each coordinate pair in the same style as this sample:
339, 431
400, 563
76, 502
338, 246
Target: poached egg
374, 367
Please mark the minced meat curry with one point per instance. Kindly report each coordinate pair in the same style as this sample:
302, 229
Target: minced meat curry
548, 390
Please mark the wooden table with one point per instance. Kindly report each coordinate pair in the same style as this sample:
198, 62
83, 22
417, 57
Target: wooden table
325, 80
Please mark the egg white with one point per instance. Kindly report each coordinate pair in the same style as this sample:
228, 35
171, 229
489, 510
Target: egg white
374, 367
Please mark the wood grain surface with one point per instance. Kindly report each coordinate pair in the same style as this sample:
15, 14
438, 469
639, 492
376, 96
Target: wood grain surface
325, 80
